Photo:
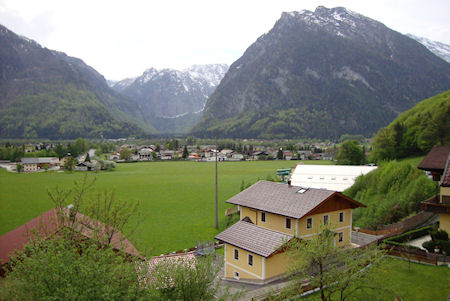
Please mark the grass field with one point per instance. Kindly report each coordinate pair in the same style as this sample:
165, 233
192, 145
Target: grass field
417, 282
177, 197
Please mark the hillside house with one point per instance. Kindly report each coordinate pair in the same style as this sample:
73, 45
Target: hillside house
437, 162
271, 214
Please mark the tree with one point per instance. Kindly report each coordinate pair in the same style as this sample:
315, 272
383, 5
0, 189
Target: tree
125, 154
280, 154
57, 269
60, 150
350, 153
185, 152
116, 215
187, 279
70, 163
338, 273
19, 168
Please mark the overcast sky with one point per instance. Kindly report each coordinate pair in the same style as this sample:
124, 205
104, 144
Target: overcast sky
123, 38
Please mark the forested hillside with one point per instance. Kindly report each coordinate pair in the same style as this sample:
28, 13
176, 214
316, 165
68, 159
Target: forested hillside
322, 74
47, 94
415, 131
391, 192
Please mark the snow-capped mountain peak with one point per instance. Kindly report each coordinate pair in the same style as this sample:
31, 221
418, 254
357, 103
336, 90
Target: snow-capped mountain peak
438, 48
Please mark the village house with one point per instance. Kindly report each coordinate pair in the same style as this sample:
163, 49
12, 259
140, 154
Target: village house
271, 214
35, 164
167, 155
85, 166
145, 154
437, 162
114, 156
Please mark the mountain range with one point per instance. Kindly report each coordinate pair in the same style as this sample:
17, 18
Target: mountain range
171, 100
315, 74
322, 74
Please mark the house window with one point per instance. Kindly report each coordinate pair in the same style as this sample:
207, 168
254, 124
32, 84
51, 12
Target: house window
288, 223
250, 259
263, 216
236, 275
309, 223
341, 217
325, 219
236, 254
341, 236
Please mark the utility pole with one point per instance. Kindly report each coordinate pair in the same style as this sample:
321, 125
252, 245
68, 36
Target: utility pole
217, 203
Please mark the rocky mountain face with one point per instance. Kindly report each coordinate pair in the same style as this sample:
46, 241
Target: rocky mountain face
442, 50
173, 100
322, 74
45, 93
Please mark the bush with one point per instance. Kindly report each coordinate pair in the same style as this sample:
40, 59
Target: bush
439, 235
443, 245
413, 234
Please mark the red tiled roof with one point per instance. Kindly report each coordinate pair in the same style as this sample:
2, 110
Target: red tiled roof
436, 159
44, 225
47, 224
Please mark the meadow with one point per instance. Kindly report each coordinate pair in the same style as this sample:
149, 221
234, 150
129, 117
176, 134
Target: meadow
177, 198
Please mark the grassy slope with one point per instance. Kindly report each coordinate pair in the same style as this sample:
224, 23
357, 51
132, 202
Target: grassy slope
178, 197
391, 192
420, 282
416, 130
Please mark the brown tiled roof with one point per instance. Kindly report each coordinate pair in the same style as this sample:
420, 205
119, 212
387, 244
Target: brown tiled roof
436, 159
283, 199
446, 176
47, 224
252, 238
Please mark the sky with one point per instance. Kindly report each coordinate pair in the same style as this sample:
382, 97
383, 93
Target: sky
121, 39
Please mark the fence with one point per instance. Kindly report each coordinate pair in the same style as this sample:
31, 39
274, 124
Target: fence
417, 255
400, 227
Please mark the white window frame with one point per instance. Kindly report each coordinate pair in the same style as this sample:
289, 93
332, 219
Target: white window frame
343, 217
236, 251
248, 259
328, 219
309, 218
290, 223
263, 214
236, 275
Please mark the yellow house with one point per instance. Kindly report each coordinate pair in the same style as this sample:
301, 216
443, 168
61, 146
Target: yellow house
272, 214
437, 161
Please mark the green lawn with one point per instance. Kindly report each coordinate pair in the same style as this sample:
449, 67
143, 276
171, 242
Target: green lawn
177, 197
419, 282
